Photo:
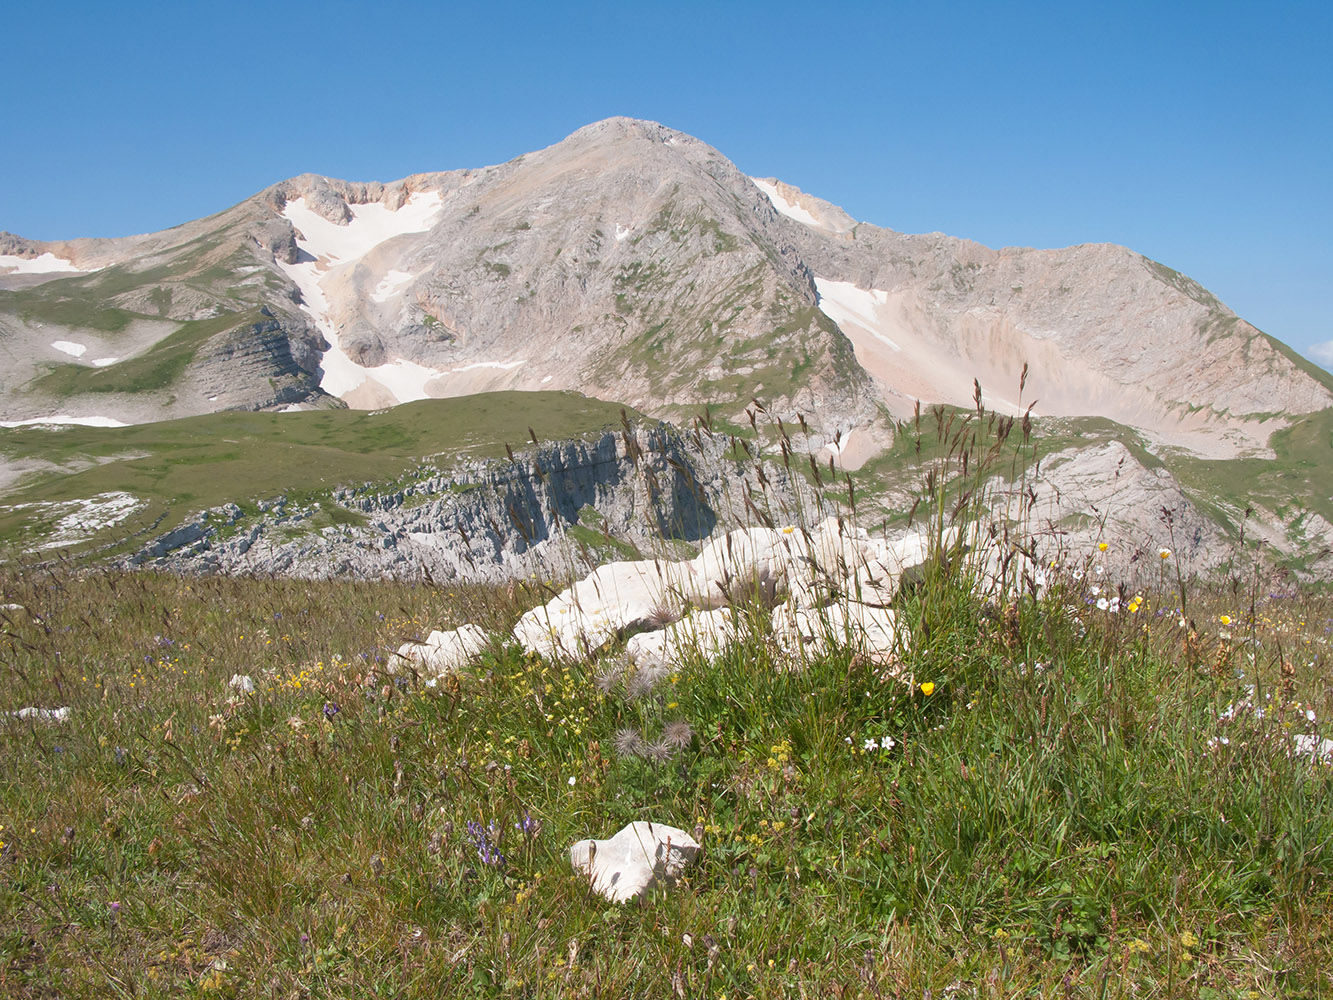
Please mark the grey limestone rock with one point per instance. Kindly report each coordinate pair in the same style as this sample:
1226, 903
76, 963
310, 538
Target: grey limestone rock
640, 855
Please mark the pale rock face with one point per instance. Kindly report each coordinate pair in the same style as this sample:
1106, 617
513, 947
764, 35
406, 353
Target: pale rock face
867, 631
642, 854
442, 653
699, 634
831, 562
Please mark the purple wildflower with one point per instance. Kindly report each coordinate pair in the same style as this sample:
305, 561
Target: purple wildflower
486, 849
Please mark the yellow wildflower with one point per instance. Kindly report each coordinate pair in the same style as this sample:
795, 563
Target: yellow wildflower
928, 688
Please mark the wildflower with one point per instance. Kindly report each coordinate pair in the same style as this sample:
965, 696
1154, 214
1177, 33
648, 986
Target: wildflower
331, 708
678, 734
928, 688
871, 744
482, 839
1102, 546
1309, 714
1224, 619
1135, 603
572, 780
627, 742
1164, 553
659, 752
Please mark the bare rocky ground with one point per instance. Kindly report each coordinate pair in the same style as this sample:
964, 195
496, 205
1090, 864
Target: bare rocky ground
545, 514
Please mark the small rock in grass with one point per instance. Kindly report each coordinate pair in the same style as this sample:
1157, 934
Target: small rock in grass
42, 714
623, 867
443, 652
1318, 749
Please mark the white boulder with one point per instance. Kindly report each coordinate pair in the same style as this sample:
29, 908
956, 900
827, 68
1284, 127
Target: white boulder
442, 653
41, 714
610, 600
865, 629
1317, 748
623, 867
700, 633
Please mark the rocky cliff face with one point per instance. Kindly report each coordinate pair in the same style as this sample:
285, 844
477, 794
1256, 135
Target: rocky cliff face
554, 510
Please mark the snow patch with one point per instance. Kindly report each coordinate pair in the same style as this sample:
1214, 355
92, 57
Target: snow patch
61, 420
785, 207
78, 521
370, 226
547, 379
47, 263
504, 366
103, 362
387, 288
69, 347
333, 246
621, 232
843, 302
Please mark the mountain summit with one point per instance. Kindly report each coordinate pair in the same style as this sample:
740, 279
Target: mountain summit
630, 262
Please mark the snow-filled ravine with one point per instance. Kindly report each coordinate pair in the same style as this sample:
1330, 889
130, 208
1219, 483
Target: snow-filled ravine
333, 246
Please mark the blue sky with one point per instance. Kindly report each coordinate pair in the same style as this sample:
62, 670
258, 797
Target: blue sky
1200, 134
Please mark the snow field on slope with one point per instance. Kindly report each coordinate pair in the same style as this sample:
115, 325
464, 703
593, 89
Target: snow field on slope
843, 302
63, 420
785, 207
335, 246
47, 263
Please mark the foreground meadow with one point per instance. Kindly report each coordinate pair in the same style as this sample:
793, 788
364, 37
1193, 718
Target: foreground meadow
1067, 800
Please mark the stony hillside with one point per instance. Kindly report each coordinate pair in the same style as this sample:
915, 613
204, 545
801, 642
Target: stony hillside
630, 262
634, 263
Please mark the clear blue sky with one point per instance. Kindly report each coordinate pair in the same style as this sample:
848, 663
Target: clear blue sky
1200, 134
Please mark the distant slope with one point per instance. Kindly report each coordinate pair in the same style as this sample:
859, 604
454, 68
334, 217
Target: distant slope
156, 475
633, 262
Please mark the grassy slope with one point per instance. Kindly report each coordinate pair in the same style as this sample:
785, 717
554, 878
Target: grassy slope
1298, 479
157, 368
185, 465
1067, 809
1070, 831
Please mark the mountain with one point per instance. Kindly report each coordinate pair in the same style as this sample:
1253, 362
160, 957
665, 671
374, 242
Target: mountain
632, 262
